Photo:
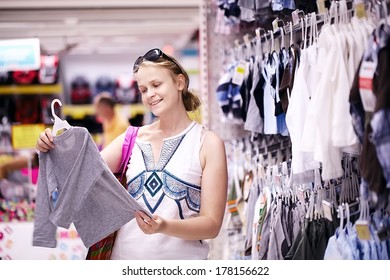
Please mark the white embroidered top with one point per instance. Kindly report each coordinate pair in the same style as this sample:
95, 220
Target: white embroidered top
169, 188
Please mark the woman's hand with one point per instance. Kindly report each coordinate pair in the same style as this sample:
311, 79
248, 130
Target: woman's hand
45, 141
149, 225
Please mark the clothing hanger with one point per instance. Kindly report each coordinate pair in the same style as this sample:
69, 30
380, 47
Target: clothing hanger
291, 34
310, 208
59, 124
341, 215
272, 41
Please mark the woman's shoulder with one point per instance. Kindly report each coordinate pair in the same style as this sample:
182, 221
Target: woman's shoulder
145, 131
210, 138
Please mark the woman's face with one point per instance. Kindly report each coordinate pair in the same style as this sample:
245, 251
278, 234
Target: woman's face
160, 92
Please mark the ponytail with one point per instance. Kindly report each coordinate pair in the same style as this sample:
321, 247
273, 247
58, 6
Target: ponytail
191, 100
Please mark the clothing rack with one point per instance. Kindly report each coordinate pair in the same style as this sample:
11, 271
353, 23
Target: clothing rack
290, 28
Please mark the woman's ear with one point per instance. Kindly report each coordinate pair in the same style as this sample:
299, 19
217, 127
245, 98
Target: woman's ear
180, 81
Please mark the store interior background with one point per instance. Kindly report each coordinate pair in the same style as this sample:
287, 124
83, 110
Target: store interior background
92, 39
102, 39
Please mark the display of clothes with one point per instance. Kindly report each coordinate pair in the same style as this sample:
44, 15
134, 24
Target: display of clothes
248, 92
372, 125
333, 203
273, 218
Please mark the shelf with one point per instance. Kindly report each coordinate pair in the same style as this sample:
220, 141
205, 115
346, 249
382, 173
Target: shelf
80, 111
31, 89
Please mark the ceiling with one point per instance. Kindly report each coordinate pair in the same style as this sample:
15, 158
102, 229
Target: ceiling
100, 26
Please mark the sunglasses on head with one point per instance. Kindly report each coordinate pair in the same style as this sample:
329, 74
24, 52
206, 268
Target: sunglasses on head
152, 55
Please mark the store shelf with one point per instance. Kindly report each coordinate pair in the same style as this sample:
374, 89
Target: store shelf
80, 111
31, 89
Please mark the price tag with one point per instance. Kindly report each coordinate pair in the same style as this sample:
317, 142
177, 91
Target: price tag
275, 24
301, 195
360, 10
295, 17
363, 229
327, 208
247, 185
366, 76
321, 6
239, 73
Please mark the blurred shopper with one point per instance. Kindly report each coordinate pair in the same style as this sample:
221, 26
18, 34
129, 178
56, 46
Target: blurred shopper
114, 124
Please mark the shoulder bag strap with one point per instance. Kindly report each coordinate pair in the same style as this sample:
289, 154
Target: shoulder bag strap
128, 144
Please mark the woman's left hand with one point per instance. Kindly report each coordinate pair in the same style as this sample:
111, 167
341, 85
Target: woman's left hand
149, 225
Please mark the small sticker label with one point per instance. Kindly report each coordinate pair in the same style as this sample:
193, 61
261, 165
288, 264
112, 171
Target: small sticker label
275, 24
321, 6
295, 17
239, 74
327, 208
366, 76
363, 229
360, 10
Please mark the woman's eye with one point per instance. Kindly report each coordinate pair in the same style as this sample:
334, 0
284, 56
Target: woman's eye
156, 85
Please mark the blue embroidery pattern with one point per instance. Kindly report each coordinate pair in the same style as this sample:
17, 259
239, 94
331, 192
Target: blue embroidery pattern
161, 180
134, 187
178, 189
153, 184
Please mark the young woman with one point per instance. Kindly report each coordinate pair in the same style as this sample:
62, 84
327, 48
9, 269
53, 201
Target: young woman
177, 170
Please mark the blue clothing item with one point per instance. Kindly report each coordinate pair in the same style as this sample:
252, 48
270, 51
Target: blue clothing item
378, 220
281, 124
333, 251
358, 117
289, 4
228, 95
349, 243
223, 90
277, 5
342, 245
380, 137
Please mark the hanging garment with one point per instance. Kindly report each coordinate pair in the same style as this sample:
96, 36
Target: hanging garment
89, 195
279, 242
269, 71
264, 232
343, 135
24, 77
260, 213
250, 214
246, 88
228, 95
299, 104
312, 241
254, 121
125, 89
48, 72
370, 167
324, 150
380, 122
105, 84
287, 81
80, 91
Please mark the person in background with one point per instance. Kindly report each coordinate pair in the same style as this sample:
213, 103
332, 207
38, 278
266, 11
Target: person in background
178, 169
114, 124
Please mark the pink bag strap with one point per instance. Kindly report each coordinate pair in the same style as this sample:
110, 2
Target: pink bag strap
127, 148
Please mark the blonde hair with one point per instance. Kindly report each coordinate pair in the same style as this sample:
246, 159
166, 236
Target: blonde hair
191, 99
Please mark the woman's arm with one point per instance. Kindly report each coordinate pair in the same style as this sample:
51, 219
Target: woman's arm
112, 154
213, 199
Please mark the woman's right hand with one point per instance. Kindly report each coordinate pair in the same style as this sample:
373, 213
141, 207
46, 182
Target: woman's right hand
45, 141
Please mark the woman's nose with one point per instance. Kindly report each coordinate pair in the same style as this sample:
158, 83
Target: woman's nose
150, 93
